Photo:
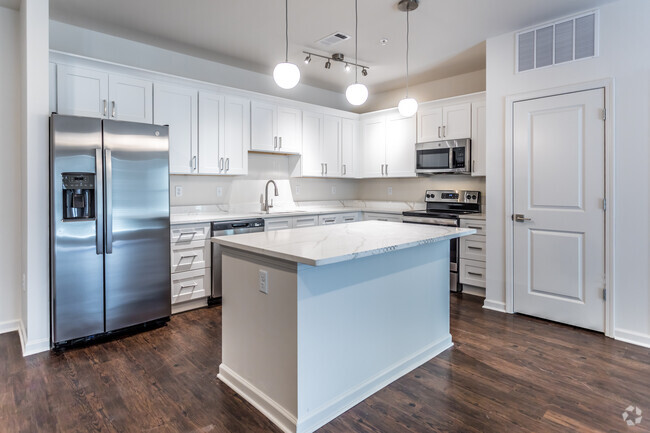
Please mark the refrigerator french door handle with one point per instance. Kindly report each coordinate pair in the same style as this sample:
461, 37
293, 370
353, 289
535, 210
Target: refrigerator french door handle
109, 201
99, 202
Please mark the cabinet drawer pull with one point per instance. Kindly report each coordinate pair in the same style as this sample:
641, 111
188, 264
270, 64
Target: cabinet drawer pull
475, 227
188, 286
474, 273
474, 248
190, 256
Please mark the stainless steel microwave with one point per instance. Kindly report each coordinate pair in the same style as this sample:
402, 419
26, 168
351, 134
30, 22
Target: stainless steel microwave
447, 156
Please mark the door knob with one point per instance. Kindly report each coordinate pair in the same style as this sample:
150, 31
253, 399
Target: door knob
520, 218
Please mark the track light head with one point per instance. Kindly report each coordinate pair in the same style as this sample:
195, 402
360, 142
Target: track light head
307, 59
328, 64
347, 67
364, 72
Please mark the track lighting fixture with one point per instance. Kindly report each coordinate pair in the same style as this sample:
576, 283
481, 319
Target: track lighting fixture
364, 72
337, 57
307, 59
286, 75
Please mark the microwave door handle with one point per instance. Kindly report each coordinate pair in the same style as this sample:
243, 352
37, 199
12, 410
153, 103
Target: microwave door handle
451, 159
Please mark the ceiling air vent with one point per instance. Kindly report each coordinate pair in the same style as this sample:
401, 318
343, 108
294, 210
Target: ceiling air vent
333, 39
563, 41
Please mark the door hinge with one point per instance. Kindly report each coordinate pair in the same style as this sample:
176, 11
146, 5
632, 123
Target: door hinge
604, 294
603, 115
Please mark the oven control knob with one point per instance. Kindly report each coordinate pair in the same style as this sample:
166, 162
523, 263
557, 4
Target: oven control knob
433, 196
473, 197
469, 197
428, 195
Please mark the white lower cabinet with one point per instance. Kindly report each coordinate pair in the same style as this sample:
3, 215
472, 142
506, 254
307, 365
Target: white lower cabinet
472, 272
191, 264
472, 254
377, 216
271, 224
339, 218
305, 221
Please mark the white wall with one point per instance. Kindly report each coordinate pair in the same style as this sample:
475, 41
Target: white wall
88, 43
10, 212
463, 84
624, 41
238, 190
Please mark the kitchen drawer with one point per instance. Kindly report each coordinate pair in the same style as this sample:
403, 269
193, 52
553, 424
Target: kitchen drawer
373, 216
190, 285
187, 233
472, 247
472, 272
349, 217
271, 224
196, 255
305, 221
328, 219
478, 225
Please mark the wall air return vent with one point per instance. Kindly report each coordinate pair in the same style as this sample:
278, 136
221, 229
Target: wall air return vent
333, 39
563, 41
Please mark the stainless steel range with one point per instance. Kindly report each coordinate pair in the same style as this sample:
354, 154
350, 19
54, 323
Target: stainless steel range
444, 208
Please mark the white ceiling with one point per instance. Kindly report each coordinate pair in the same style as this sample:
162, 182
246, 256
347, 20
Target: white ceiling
447, 36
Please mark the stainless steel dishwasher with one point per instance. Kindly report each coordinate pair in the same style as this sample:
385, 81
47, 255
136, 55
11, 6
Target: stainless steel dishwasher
227, 228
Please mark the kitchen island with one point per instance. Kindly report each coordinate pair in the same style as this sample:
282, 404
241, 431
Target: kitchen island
317, 319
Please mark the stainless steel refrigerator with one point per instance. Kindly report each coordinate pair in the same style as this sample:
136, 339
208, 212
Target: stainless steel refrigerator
109, 212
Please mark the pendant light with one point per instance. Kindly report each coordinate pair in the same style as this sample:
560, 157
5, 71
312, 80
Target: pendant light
356, 93
408, 106
286, 75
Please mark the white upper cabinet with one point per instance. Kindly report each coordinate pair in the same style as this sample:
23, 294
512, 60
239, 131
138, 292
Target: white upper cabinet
130, 99
437, 122
312, 142
178, 107
400, 146
330, 152
478, 138
81, 91
275, 128
373, 146
211, 134
289, 130
429, 123
349, 134
92, 93
457, 121
237, 138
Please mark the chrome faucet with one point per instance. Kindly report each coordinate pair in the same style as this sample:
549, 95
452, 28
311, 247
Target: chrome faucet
267, 206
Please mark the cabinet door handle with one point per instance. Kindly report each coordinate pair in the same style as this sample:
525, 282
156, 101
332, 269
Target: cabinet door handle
386, 169
473, 165
326, 169
475, 227
105, 108
194, 162
227, 164
439, 136
345, 170
112, 108
280, 143
444, 130
220, 164
382, 169
322, 169
275, 142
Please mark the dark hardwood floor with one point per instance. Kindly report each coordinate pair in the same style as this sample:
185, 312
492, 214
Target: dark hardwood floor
505, 374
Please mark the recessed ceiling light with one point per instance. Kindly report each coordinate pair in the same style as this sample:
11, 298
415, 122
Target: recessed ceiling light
383, 41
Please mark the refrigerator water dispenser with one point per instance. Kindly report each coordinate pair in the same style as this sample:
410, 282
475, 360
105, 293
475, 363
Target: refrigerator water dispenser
78, 196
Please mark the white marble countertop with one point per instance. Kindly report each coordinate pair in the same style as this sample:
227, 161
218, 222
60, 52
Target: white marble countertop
324, 245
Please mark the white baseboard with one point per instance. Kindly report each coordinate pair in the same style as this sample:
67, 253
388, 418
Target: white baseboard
262, 402
9, 326
288, 423
495, 306
189, 305
632, 337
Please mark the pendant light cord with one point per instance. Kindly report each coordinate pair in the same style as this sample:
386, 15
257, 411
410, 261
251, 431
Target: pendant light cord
407, 50
286, 31
356, 40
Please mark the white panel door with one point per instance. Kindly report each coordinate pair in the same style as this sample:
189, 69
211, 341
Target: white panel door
264, 119
289, 130
429, 124
331, 149
130, 99
559, 253
211, 121
373, 152
400, 146
178, 108
81, 91
348, 144
237, 138
457, 121
312, 140
478, 138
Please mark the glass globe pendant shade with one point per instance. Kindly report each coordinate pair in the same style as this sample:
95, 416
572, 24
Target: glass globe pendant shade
356, 94
407, 107
286, 75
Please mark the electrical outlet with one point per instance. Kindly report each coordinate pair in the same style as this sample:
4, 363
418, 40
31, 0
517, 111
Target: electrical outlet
179, 191
264, 281
219, 191
333, 190
297, 189
390, 190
